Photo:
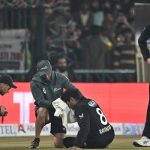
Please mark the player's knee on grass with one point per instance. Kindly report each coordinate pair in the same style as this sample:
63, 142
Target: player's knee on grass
58, 140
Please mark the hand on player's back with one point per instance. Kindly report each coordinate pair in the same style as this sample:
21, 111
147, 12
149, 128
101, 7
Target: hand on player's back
148, 60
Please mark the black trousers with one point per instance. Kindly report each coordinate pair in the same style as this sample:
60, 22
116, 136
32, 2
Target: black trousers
146, 131
98, 142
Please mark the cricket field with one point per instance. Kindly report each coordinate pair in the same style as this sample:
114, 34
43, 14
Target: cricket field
22, 143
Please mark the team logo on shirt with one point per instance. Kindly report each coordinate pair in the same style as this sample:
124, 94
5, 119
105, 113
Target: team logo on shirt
56, 89
44, 90
44, 68
81, 116
92, 104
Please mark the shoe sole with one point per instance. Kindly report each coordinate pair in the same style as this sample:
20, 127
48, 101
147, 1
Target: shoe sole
138, 145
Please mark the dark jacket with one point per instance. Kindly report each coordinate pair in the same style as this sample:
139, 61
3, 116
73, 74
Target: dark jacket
92, 122
45, 92
145, 35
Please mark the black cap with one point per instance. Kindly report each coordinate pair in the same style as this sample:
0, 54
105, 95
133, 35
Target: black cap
7, 80
44, 67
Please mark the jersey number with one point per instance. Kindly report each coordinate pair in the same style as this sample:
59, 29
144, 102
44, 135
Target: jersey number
102, 116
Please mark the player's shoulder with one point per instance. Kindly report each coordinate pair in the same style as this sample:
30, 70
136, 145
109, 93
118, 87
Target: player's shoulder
81, 107
87, 103
82, 104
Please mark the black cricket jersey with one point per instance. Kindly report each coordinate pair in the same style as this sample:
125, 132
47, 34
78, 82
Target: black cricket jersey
145, 35
92, 122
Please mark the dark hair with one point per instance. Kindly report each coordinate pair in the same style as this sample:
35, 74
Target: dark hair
60, 56
75, 93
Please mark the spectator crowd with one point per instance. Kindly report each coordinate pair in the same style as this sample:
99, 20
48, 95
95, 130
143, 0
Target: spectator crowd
84, 34
94, 34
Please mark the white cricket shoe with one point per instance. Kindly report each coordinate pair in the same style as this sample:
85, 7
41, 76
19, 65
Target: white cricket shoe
143, 142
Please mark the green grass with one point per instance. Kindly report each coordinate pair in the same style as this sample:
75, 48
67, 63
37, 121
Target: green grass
22, 143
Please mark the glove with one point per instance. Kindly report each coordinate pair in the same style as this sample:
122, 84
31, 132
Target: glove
3, 111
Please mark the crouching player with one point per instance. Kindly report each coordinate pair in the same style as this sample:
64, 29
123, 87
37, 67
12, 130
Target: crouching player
95, 130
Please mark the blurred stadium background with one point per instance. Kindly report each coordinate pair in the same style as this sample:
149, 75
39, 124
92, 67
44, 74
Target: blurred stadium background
96, 37
93, 42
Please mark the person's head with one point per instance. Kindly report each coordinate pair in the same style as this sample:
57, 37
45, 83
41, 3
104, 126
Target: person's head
95, 5
121, 18
84, 7
6, 83
129, 36
44, 69
72, 97
108, 19
107, 5
61, 63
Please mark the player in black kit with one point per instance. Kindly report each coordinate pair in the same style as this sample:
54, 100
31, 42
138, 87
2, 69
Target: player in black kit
144, 141
95, 130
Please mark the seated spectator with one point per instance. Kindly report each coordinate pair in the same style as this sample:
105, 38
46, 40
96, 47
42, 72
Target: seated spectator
121, 23
61, 65
98, 14
124, 51
84, 18
95, 50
